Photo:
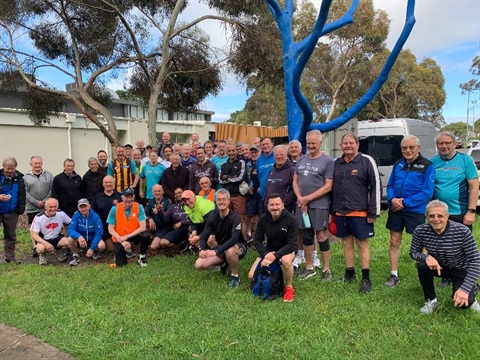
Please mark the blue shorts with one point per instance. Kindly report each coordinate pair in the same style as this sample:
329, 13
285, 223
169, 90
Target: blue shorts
354, 225
397, 221
177, 236
54, 242
253, 204
160, 232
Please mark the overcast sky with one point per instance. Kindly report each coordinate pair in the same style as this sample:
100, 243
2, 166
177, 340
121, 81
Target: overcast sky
445, 30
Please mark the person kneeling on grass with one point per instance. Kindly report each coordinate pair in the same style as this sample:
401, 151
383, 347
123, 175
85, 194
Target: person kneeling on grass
450, 252
127, 223
154, 211
198, 210
225, 225
86, 230
50, 224
280, 228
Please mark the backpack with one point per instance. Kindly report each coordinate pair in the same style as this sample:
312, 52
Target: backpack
267, 282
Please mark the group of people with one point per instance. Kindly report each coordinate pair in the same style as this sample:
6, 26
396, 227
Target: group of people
221, 197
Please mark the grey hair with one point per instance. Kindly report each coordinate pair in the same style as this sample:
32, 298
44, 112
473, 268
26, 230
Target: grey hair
92, 159
352, 135
317, 133
224, 192
36, 157
447, 133
280, 147
411, 137
437, 203
295, 142
10, 160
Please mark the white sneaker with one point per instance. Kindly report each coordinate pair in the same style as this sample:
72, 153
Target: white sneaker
301, 260
316, 263
475, 306
429, 307
42, 260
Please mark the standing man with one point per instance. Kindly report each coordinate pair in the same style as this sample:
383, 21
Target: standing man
204, 168
127, 223
356, 203
294, 150
102, 158
12, 204
187, 159
280, 229
141, 146
67, 188
222, 157
409, 190
265, 164
312, 184
167, 153
218, 240
446, 249
150, 175
208, 146
165, 141
176, 176
92, 179
123, 170
38, 187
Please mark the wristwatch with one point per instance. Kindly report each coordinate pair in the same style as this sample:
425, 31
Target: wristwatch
473, 211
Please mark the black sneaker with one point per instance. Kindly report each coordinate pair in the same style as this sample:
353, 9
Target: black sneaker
34, 252
445, 282
75, 260
130, 254
365, 286
349, 277
96, 255
392, 281
224, 268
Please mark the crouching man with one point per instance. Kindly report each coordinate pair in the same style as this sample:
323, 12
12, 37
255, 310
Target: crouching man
86, 230
218, 240
127, 223
450, 252
49, 224
280, 228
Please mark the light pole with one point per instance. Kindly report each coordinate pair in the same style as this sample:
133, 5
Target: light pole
474, 103
468, 111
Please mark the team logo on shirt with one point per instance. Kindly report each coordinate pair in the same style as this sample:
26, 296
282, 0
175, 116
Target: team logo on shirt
51, 226
354, 172
239, 227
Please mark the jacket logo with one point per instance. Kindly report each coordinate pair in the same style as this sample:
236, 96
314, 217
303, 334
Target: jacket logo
354, 172
284, 229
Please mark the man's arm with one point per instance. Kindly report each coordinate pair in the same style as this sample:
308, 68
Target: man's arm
234, 236
292, 237
258, 238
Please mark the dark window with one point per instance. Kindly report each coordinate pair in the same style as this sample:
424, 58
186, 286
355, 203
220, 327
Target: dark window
385, 150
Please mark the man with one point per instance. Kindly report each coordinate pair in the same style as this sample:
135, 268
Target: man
225, 227
167, 153
165, 142
204, 168
141, 146
197, 210
177, 223
177, 149
257, 141
46, 231
123, 170
245, 152
38, 187
86, 230
446, 249
129, 151
187, 160
232, 174
92, 180
253, 197
127, 223
67, 188
312, 184
154, 213
176, 176
103, 203
150, 175
222, 157
356, 203
294, 150
12, 204
208, 146
265, 164
102, 158
409, 190
280, 229
195, 137
193, 149
280, 179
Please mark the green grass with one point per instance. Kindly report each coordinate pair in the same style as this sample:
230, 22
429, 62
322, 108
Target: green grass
170, 311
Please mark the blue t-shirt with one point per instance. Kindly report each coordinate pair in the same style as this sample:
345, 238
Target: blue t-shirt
451, 181
264, 166
152, 176
219, 161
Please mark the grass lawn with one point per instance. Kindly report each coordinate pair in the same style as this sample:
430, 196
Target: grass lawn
170, 311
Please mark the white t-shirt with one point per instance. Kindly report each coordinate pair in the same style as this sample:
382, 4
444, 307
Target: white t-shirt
50, 227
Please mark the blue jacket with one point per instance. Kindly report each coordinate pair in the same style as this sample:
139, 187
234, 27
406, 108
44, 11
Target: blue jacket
90, 228
15, 187
413, 182
264, 166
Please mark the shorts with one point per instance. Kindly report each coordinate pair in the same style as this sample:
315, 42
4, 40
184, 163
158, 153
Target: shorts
239, 204
354, 225
160, 233
54, 242
318, 218
253, 204
397, 221
177, 236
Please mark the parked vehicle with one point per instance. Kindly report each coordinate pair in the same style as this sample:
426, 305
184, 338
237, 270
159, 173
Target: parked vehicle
474, 152
381, 140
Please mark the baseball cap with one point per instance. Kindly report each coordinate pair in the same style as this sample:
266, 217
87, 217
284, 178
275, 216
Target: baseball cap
128, 191
188, 194
254, 148
83, 202
128, 146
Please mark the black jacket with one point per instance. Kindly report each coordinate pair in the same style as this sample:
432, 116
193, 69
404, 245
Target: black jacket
93, 183
172, 179
232, 173
280, 181
67, 190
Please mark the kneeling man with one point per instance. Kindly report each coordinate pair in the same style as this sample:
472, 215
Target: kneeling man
225, 226
280, 228
450, 252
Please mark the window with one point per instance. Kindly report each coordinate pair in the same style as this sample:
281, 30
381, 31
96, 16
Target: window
385, 150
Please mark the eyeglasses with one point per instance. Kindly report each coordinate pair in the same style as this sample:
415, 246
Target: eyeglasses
445, 143
409, 147
433, 216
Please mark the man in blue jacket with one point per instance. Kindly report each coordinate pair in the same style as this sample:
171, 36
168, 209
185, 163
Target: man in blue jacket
409, 190
86, 230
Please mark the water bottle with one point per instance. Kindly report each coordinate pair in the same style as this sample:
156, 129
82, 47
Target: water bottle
306, 220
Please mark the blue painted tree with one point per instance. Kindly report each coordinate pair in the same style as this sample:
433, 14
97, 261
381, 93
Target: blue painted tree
297, 54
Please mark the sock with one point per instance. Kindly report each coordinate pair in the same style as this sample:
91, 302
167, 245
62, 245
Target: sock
394, 272
235, 275
295, 262
314, 254
366, 274
301, 253
142, 256
350, 271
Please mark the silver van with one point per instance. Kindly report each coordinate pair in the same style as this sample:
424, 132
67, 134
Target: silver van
381, 140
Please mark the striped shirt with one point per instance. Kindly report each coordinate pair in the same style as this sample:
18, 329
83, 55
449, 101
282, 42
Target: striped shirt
454, 248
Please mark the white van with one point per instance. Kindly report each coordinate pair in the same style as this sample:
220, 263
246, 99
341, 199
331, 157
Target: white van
381, 140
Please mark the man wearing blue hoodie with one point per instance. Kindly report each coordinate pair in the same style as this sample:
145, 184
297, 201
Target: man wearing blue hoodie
409, 190
86, 230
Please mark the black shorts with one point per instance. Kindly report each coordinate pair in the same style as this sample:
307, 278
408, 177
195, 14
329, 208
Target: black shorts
177, 236
354, 225
54, 242
160, 232
398, 220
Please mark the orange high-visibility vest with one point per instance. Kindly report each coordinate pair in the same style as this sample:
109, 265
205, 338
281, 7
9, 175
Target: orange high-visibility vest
124, 226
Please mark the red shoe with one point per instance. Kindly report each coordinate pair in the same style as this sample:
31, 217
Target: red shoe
288, 294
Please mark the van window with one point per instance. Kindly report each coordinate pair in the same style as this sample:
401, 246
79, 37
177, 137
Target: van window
385, 149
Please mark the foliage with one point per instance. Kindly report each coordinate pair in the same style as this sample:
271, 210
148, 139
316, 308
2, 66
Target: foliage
170, 311
458, 128
41, 105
